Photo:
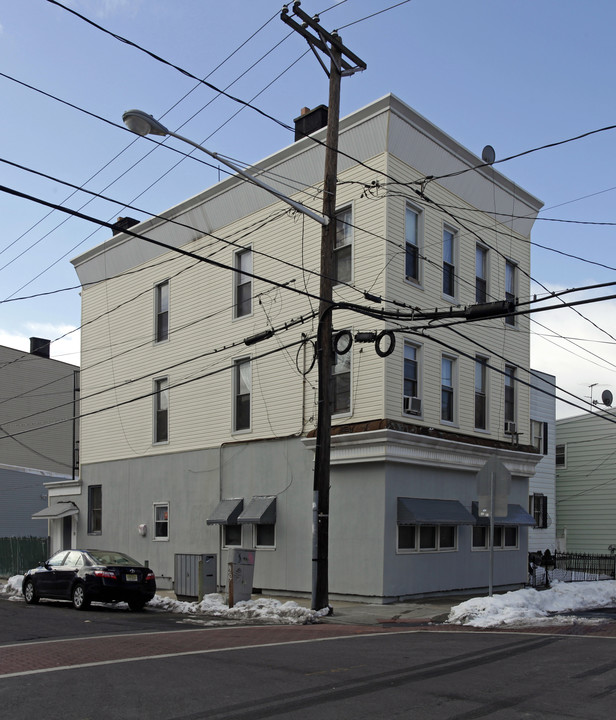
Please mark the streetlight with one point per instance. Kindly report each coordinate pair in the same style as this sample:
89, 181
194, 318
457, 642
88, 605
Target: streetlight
143, 124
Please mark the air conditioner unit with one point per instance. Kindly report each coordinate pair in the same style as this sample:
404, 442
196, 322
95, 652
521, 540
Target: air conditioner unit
510, 427
412, 405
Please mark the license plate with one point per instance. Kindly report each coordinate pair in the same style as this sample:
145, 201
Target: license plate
131, 577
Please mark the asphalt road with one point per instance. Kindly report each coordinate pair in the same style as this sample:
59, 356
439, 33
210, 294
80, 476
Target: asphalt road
108, 663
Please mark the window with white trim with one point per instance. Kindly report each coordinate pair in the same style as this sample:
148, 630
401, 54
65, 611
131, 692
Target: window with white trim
161, 521
427, 538
449, 262
411, 402
411, 253
481, 274
232, 535
340, 383
561, 456
538, 508
481, 393
505, 537
265, 535
539, 436
242, 383
161, 311
509, 394
161, 410
510, 288
95, 509
343, 247
243, 283
447, 389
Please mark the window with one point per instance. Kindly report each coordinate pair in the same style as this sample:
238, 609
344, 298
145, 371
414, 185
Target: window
243, 283
266, 535
509, 394
161, 311
538, 508
411, 402
449, 267
95, 509
427, 537
161, 410
242, 388
481, 410
447, 389
411, 254
561, 456
340, 387
161, 521
343, 247
539, 436
481, 276
505, 536
510, 291
232, 535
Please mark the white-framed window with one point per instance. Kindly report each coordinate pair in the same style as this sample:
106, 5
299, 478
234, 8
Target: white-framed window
243, 282
481, 393
505, 537
509, 394
510, 287
538, 508
427, 538
561, 456
242, 384
95, 509
539, 436
161, 521
411, 247
343, 247
265, 535
411, 401
449, 262
161, 311
161, 410
340, 385
448, 399
232, 535
481, 274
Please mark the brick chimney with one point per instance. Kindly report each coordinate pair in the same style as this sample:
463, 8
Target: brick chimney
123, 223
310, 121
40, 347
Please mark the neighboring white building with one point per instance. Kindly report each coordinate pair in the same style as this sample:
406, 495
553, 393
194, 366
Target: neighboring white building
38, 441
586, 482
193, 442
542, 501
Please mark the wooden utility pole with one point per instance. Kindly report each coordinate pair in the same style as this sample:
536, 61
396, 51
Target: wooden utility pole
331, 45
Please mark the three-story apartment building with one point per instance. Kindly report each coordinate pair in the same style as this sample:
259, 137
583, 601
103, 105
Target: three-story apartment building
194, 441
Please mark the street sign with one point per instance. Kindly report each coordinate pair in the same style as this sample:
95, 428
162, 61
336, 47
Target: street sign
493, 486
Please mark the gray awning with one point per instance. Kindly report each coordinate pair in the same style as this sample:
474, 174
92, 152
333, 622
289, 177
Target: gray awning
260, 511
226, 512
425, 511
56, 511
516, 515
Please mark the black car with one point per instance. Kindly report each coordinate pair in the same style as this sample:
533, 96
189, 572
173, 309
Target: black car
82, 576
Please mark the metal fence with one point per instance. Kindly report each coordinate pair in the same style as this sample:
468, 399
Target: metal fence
17, 554
570, 567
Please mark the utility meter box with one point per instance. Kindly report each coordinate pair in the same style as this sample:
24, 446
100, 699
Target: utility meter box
194, 576
239, 575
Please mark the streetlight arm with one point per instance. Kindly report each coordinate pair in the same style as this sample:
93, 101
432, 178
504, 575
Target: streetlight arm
141, 123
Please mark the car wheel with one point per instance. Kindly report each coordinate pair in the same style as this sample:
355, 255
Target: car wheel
30, 595
80, 601
136, 605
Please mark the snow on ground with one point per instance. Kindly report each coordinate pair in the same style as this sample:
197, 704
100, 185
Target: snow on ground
536, 607
266, 609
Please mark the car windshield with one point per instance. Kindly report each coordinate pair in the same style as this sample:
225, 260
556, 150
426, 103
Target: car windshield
108, 557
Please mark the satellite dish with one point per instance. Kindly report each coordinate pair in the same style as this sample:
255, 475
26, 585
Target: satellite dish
607, 398
488, 155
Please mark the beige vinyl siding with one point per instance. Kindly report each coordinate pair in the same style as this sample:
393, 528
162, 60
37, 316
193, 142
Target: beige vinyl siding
586, 488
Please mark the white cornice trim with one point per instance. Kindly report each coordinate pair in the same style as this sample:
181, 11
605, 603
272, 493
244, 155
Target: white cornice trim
394, 446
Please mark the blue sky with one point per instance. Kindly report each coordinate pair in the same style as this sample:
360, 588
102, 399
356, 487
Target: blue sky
516, 75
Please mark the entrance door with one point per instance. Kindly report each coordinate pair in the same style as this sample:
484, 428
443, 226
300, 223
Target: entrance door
67, 532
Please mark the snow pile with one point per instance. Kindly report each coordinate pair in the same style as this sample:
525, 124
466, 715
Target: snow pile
268, 609
12, 587
264, 609
533, 607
